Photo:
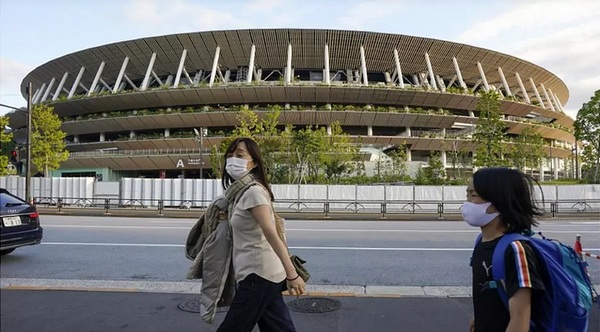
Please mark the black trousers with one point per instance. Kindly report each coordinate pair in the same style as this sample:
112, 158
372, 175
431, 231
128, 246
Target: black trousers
258, 300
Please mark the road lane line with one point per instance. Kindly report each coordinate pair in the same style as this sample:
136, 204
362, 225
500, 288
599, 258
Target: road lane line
292, 247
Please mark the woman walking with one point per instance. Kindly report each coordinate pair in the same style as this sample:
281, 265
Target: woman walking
261, 263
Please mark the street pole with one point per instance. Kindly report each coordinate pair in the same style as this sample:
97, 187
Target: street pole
28, 155
201, 166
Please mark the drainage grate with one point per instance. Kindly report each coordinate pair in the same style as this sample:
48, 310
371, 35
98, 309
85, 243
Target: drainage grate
314, 305
193, 305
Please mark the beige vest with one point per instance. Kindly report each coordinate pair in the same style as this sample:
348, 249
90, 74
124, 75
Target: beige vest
252, 253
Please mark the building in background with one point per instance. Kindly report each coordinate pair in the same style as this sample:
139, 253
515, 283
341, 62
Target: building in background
130, 108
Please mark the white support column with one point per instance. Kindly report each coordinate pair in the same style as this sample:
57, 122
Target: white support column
169, 80
288, 65
131, 134
504, 82
47, 93
440, 82
537, 93
541, 170
189, 78
547, 97
35, 95
408, 154
452, 80
430, 70
213, 71
522, 86
443, 159
398, 69
106, 86
555, 99
167, 132
120, 76
102, 137
326, 77
180, 68
39, 96
76, 139
227, 76
76, 83
146, 80
369, 130
60, 86
483, 79
157, 78
408, 132
251, 64
130, 82
458, 73
363, 66
96, 78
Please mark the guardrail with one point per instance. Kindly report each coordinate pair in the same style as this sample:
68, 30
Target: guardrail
315, 206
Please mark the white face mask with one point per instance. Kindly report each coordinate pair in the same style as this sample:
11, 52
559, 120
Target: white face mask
476, 215
237, 167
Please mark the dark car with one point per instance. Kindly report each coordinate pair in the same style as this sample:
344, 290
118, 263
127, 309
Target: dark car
20, 223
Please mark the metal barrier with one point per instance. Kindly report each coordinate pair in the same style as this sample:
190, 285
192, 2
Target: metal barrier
327, 208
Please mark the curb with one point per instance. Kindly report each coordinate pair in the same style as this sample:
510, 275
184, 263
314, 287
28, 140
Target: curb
191, 287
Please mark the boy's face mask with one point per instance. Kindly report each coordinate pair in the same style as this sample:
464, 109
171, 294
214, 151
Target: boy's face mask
476, 215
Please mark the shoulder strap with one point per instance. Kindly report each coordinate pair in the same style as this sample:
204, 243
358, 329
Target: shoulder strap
498, 266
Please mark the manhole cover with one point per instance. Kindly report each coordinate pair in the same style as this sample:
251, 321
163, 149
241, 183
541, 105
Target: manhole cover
314, 305
194, 306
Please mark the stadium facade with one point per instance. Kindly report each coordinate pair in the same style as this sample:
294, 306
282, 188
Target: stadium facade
130, 108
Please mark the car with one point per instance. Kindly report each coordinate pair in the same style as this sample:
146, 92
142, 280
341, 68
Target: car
20, 224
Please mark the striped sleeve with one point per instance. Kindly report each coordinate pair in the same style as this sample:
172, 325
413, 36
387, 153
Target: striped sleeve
522, 265
522, 268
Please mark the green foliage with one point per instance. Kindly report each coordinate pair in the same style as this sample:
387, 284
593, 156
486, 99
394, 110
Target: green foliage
489, 131
5, 140
587, 131
527, 150
434, 173
48, 148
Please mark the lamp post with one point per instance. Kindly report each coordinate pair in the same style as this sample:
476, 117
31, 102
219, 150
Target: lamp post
199, 138
27, 142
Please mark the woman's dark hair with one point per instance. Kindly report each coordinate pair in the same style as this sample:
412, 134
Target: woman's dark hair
259, 172
512, 193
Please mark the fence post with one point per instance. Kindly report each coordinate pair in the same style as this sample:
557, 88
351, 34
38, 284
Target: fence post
161, 206
106, 205
440, 210
59, 204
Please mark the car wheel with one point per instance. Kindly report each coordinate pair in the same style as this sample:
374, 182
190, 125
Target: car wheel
6, 252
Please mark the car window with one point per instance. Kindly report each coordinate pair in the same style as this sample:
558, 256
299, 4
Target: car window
8, 199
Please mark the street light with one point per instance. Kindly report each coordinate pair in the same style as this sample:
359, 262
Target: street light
199, 138
27, 143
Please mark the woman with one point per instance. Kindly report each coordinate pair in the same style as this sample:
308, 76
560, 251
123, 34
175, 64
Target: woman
261, 263
500, 201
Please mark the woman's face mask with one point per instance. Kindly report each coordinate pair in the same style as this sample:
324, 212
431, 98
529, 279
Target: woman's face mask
476, 214
237, 168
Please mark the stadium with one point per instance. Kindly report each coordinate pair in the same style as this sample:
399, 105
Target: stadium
135, 108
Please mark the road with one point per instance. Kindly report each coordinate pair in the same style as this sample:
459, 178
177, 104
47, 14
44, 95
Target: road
385, 253
59, 280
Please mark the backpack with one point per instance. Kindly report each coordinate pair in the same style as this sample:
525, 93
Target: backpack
568, 298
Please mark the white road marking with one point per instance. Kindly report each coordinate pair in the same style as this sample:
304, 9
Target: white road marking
293, 247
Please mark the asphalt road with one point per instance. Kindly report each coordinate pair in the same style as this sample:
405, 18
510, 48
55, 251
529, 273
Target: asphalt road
338, 252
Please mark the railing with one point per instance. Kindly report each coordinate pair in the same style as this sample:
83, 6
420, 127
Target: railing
326, 208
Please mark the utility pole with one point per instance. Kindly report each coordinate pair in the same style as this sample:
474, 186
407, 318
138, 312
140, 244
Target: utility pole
28, 156
199, 138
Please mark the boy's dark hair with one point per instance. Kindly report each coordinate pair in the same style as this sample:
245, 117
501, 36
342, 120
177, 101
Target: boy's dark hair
259, 172
512, 193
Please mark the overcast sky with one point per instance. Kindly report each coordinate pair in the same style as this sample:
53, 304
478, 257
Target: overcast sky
562, 36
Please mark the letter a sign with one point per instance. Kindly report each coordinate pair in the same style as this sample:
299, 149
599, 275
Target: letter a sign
180, 163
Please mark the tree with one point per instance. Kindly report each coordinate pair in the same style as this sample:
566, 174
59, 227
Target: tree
527, 150
397, 166
489, 131
5, 140
338, 153
587, 130
48, 147
459, 159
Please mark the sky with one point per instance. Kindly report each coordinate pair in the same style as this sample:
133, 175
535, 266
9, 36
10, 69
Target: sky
562, 36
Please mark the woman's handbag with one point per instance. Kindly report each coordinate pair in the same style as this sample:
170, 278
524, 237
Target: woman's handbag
296, 261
